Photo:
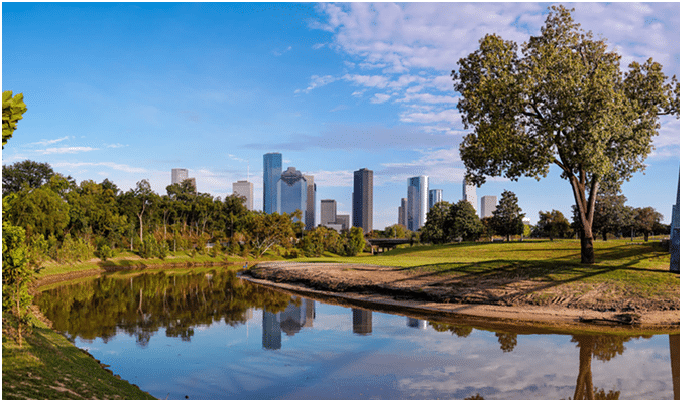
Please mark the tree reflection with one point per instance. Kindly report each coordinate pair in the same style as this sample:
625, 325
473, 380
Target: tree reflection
143, 304
603, 348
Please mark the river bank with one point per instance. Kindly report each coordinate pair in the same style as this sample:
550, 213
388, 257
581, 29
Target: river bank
520, 300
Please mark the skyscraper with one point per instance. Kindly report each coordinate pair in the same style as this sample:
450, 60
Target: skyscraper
244, 188
435, 196
329, 212
417, 202
270, 175
362, 200
342, 220
310, 212
177, 176
402, 212
488, 205
470, 195
291, 192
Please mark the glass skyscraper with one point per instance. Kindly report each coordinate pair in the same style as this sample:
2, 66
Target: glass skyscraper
291, 192
436, 195
270, 175
417, 202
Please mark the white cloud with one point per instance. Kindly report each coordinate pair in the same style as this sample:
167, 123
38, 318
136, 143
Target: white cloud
338, 178
375, 81
49, 142
317, 81
380, 98
450, 116
278, 52
67, 150
112, 165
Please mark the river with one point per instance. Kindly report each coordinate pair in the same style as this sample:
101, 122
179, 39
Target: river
206, 334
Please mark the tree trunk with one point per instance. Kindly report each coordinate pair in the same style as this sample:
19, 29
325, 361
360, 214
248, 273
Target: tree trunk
646, 236
586, 209
587, 250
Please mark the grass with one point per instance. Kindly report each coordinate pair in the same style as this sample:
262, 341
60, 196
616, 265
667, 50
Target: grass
49, 367
640, 269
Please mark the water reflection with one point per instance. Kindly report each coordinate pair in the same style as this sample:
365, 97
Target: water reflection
310, 350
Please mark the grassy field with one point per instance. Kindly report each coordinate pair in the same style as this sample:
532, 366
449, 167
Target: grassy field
637, 268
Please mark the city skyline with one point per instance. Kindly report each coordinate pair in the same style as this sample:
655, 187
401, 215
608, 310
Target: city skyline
354, 85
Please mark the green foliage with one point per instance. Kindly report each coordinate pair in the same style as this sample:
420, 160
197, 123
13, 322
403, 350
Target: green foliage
465, 223
355, 241
565, 101
553, 225
13, 108
16, 273
507, 218
436, 229
646, 220
104, 252
25, 174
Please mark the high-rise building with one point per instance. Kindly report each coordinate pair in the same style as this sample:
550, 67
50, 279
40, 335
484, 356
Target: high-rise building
362, 200
244, 188
329, 212
342, 220
291, 192
310, 212
488, 205
434, 196
192, 181
271, 330
362, 321
470, 195
177, 176
270, 176
402, 212
417, 202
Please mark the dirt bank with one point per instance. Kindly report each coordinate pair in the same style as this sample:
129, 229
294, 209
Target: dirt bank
435, 293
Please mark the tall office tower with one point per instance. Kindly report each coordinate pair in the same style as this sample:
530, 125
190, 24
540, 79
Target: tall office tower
362, 200
291, 192
179, 175
342, 220
417, 202
488, 205
470, 195
244, 188
435, 196
270, 175
329, 212
310, 211
403, 209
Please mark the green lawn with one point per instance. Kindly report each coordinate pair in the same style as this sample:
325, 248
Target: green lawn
639, 268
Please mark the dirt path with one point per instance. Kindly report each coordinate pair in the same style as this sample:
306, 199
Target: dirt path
519, 302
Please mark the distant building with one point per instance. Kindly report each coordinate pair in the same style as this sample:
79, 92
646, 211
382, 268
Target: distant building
435, 196
177, 176
488, 205
526, 221
470, 195
329, 212
362, 200
402, 212
271, 331
310, 211
291, 192
271, 173
362, 321
244, 188
417, 202
342, 220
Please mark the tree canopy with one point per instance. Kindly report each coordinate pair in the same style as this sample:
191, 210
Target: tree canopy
563, 100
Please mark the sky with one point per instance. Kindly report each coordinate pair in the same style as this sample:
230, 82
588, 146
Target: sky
129, 91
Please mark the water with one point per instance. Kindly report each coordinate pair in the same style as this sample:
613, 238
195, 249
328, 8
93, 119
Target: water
210, 335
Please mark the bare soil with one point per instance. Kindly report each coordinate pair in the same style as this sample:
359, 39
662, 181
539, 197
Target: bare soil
520, 300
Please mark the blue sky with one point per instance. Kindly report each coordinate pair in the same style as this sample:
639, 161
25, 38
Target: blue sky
128, 91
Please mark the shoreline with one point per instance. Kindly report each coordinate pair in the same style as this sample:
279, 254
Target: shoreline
334, 282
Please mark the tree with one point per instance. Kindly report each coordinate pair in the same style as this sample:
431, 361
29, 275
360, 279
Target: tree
564, 101
507, 218
646, 219
434, 230
611, 214
16, 273
355, 241
25, 174
465, 223
13, 108
552, 224
395, 231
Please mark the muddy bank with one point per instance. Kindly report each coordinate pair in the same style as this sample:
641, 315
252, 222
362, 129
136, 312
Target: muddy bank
397, 287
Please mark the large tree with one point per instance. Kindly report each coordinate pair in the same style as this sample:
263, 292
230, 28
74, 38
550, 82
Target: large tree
564, 101
25, 174
507, 217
